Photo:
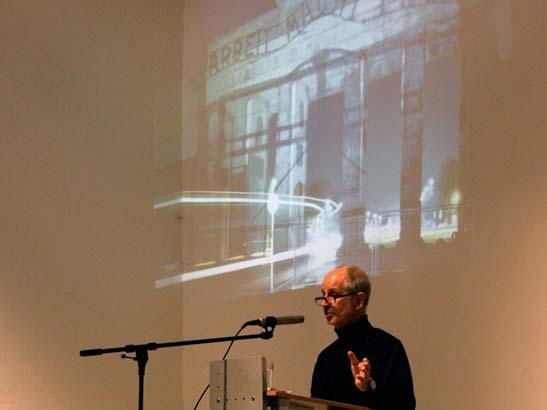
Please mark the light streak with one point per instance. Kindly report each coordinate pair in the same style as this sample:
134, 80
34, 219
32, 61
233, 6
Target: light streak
199, 265
235, 258
231, 267
219, 197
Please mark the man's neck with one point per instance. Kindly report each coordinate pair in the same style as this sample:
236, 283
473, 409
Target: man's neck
351, 322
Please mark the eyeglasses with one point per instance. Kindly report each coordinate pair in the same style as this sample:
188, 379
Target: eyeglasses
331, 298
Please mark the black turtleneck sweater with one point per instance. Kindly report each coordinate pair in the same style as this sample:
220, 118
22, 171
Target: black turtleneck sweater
332, 378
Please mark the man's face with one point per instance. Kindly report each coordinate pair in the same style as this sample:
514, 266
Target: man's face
344, 311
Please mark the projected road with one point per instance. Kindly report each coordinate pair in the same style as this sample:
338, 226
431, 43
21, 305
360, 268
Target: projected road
322, 246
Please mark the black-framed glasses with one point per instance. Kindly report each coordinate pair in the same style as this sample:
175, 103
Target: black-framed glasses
332, 297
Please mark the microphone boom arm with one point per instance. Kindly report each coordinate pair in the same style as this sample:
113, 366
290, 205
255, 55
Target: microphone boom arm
267, 334
141, 351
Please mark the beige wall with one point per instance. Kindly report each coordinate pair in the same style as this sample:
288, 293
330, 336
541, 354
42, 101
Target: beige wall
86, 88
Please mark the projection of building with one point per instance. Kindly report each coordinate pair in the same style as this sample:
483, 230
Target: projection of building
288, 98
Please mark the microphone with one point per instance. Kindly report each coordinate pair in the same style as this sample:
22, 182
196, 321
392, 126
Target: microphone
271, 321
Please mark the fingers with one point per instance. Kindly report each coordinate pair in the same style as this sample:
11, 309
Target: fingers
365, 364
360, 371
363, 369
359, 365
353, 359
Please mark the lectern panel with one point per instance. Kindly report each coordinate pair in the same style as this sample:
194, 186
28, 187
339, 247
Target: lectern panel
237, 384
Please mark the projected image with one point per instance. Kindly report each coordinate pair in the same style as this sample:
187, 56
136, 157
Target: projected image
328, 132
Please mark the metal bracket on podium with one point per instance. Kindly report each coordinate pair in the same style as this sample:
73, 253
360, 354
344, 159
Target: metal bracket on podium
237, 384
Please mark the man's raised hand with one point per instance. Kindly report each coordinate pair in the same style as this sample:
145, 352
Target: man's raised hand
360, 371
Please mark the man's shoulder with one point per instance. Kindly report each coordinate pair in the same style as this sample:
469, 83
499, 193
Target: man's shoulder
384, 336
335, 348
385, 341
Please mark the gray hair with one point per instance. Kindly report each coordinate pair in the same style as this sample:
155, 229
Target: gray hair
357, 280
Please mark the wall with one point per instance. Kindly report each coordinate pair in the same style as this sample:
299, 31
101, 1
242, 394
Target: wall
89, 91
86, 89
472, 315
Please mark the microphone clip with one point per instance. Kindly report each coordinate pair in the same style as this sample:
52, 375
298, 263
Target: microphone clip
268, 323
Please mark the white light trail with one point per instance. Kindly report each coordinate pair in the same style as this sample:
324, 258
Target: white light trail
216, 197
231, 267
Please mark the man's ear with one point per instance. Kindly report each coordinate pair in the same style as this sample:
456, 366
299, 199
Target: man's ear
360, 303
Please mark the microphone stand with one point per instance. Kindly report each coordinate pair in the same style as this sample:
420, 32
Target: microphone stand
141, 351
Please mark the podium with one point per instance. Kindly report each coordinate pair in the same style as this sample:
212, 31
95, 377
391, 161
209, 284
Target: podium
281, 400
240, 384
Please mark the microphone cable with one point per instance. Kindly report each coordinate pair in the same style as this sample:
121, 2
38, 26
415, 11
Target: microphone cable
223, 357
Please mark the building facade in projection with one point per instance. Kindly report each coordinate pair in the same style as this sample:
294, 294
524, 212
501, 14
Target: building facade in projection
293, 106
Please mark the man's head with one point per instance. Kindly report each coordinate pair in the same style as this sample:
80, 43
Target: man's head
353, 283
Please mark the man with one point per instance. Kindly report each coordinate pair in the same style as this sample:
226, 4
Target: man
365, 366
